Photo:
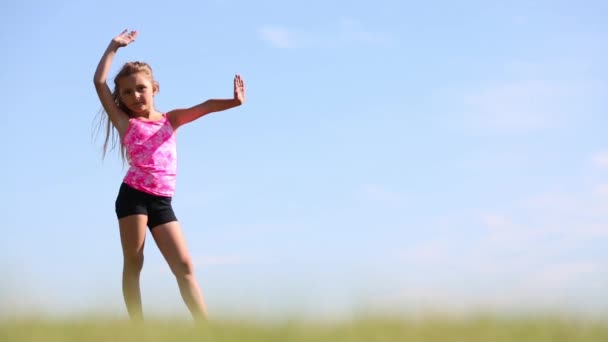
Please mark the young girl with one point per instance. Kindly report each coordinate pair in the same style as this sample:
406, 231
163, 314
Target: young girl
147, 138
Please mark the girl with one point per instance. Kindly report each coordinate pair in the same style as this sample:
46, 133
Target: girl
147, 139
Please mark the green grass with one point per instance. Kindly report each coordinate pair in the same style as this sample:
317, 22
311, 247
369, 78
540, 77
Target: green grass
430, 329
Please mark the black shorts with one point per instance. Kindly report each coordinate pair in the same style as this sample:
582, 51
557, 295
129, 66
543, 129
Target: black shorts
134, 202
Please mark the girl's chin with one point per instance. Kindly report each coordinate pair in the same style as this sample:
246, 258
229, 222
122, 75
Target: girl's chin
138, 109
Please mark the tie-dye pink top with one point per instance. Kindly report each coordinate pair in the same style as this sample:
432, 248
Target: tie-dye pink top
152, 156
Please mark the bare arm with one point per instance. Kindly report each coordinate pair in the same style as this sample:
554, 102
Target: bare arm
119, 119
180, 117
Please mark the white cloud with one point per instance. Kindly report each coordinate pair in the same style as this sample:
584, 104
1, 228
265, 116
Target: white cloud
380, 193
351, 30
278, 37
559, 276
495, 222
601, 190
426, 253
347, 32
543, 237
546, 226
498, 284
536, 95
600, 159
523, 104
533, 254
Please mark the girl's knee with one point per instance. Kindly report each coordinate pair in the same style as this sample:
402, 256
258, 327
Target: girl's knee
134, 262
183, 268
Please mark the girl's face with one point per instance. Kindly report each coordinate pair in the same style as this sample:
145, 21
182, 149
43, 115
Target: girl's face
137, 92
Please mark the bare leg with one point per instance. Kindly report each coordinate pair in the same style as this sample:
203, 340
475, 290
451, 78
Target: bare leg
132, 237
172, 245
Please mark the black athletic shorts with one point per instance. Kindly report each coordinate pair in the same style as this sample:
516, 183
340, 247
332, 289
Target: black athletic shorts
134, 202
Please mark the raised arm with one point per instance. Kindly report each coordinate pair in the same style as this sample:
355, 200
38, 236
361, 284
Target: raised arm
181, 117
119, 119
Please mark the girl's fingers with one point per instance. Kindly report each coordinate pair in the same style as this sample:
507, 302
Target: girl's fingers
128, 34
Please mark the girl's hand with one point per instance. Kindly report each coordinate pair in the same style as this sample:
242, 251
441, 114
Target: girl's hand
125, 38
239, 89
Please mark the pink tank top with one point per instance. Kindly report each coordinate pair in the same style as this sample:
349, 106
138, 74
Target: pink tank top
152, 156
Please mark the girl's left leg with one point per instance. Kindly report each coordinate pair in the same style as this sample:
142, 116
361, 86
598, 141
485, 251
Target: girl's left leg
172, 245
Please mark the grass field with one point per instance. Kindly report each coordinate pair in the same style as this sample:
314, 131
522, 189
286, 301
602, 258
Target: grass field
428, 329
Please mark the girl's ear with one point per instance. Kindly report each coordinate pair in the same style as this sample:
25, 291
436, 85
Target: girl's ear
155, 88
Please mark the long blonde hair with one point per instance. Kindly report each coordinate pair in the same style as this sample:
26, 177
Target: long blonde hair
112, 138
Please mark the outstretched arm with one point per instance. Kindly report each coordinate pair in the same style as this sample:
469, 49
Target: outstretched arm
119, 119
180, 117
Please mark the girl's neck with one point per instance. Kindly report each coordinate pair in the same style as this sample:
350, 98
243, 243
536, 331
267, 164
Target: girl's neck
150, 116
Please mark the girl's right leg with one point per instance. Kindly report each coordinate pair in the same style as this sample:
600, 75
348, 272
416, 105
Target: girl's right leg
171, 243
132, 237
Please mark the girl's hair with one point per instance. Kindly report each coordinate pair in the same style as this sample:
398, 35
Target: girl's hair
112, 138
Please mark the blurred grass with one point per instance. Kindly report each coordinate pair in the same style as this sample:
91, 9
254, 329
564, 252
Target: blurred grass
370, 329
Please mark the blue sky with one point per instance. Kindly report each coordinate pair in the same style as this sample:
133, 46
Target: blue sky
392, 155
